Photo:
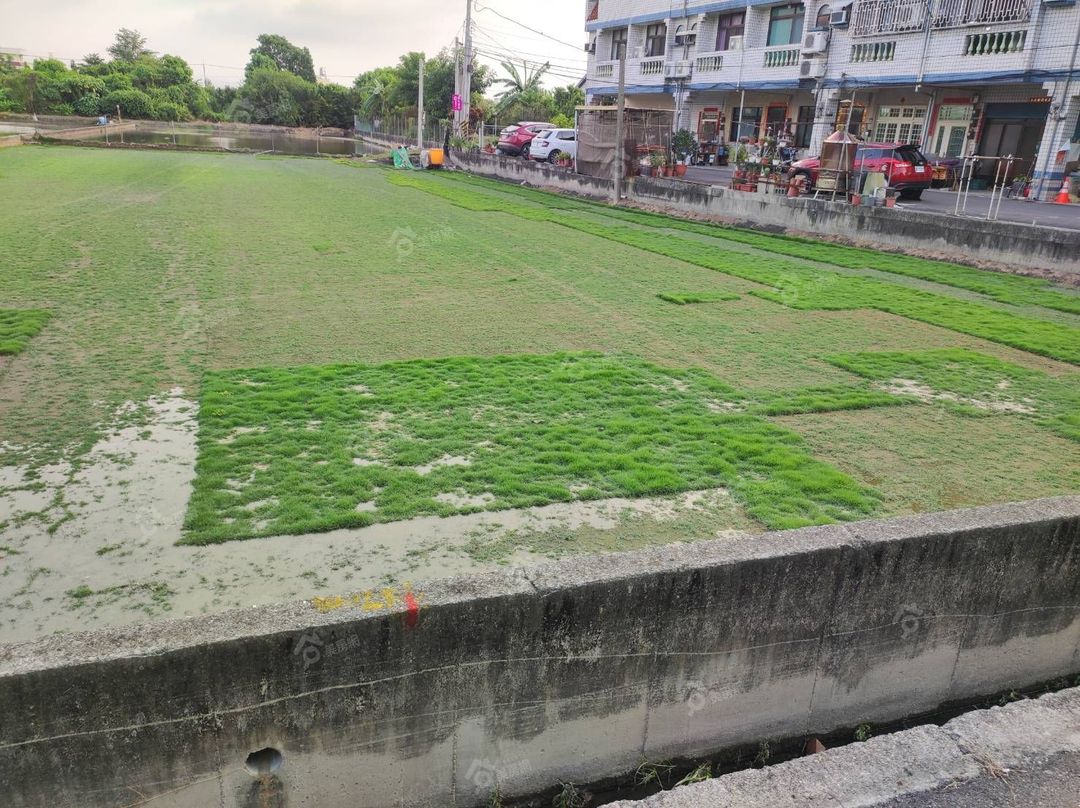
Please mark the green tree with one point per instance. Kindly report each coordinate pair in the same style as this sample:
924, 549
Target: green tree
128, 46
521, 84
376, 91
92, 59
273, 97
132, 103
286, 56
567, 99
334, 106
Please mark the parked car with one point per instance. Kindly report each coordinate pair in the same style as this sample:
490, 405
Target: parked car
514, 140
904, 166
551, 144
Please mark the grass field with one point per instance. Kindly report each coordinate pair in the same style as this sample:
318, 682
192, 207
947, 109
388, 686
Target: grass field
272, 291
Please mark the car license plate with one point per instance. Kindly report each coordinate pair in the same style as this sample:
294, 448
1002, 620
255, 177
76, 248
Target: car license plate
920, 169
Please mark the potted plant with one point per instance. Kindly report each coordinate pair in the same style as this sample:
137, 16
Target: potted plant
683, 145
741, 156
657, 161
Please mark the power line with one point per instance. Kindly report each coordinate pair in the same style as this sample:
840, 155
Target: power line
562, 59
526, 27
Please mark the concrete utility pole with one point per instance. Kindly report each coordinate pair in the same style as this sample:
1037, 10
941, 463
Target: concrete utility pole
466, 76
620, 123
420, 108
457, 83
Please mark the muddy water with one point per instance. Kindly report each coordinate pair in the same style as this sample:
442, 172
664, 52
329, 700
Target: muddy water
92, 542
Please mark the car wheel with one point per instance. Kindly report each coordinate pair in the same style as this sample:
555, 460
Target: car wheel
912, 194
555, 155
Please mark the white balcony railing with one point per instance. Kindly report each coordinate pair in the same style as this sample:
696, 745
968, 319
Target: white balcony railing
873, 51
782, 57
604, 70
996, 42
651, 67
709, 63
897, 16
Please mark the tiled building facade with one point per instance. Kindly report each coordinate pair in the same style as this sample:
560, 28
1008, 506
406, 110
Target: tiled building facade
989, 77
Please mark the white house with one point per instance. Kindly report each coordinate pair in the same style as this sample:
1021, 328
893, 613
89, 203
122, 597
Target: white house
992, 77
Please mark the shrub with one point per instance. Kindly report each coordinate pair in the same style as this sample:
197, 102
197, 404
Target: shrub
132, 103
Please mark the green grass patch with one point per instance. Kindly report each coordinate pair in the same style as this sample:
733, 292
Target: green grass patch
974, 384
800, 286
317, 448
823, 399
18, 327
685, 298
1006, 288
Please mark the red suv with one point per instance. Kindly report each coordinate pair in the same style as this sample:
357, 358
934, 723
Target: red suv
514, 140
904, 166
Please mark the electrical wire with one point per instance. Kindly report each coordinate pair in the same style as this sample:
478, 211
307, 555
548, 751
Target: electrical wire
526, 27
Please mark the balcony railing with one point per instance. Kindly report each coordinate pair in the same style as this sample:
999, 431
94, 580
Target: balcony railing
996, 42
873, 51
651, 67
604, 70
709, 63
782, 57
889, 16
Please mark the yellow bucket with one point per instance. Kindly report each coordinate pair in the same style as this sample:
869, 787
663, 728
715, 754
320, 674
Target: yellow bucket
434, 158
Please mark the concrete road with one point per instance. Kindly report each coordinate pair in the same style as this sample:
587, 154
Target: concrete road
944, 202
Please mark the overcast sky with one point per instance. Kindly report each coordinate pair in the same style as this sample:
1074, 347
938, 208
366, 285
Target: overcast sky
346, 37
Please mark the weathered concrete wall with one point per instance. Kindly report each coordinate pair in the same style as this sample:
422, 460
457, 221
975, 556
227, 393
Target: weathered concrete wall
113, 129
962, 239
570, 671
10, 140
515, 169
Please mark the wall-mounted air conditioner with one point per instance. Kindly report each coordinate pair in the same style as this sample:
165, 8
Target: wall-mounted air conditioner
677, 70
685, 39
734, 43
815, 42
841, 17
590, 47
812, 69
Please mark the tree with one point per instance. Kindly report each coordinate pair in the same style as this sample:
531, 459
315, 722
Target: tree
334, 106
286, 56
376, 90
92, 59
128, 46
568, 99
520, 84
273, 96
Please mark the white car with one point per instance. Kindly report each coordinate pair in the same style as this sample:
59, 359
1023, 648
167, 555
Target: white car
550, 144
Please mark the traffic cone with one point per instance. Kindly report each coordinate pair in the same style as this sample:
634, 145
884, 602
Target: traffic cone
1063, 195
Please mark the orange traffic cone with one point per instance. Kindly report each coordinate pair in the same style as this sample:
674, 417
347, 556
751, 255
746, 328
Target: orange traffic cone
1063, 195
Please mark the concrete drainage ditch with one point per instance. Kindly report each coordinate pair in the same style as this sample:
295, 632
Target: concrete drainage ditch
574, 671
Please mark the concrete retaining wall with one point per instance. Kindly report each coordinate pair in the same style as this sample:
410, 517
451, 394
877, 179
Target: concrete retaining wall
10, 140
964, 240
569, 671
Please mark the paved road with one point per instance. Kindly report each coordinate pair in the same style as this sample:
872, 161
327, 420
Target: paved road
944, 202
1054, 783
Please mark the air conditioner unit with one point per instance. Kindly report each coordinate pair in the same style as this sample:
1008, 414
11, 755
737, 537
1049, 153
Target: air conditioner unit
840, 17
685, 39
734, 43
590, 47
677, 70
815, 42
812, 69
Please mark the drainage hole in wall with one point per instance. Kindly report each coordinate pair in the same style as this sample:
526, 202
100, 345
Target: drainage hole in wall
264, 761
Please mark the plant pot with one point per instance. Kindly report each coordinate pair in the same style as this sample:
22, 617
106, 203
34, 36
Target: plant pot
856, 199
890, 201
680, 170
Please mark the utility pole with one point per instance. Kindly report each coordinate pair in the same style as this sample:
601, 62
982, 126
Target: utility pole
620, 123
205, 83
457, 83
420, 108
467, 68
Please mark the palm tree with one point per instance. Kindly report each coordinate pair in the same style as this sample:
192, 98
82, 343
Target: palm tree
520, 82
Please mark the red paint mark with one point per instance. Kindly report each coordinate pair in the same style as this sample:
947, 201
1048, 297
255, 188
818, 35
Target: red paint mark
412, 610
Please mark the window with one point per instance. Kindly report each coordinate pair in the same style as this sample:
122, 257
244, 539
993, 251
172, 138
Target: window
821, 22
655, 40
730, 25
785, 24
618, 44
804, 128
751, 122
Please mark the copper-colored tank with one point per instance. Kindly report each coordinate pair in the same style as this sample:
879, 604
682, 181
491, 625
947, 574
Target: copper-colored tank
837, 161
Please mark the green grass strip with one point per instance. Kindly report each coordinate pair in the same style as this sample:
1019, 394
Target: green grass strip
823, 399
1003, 287
799, 286
317, 448
18, 327
974, 384
685, 298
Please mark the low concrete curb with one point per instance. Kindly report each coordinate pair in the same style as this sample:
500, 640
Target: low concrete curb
980, 744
